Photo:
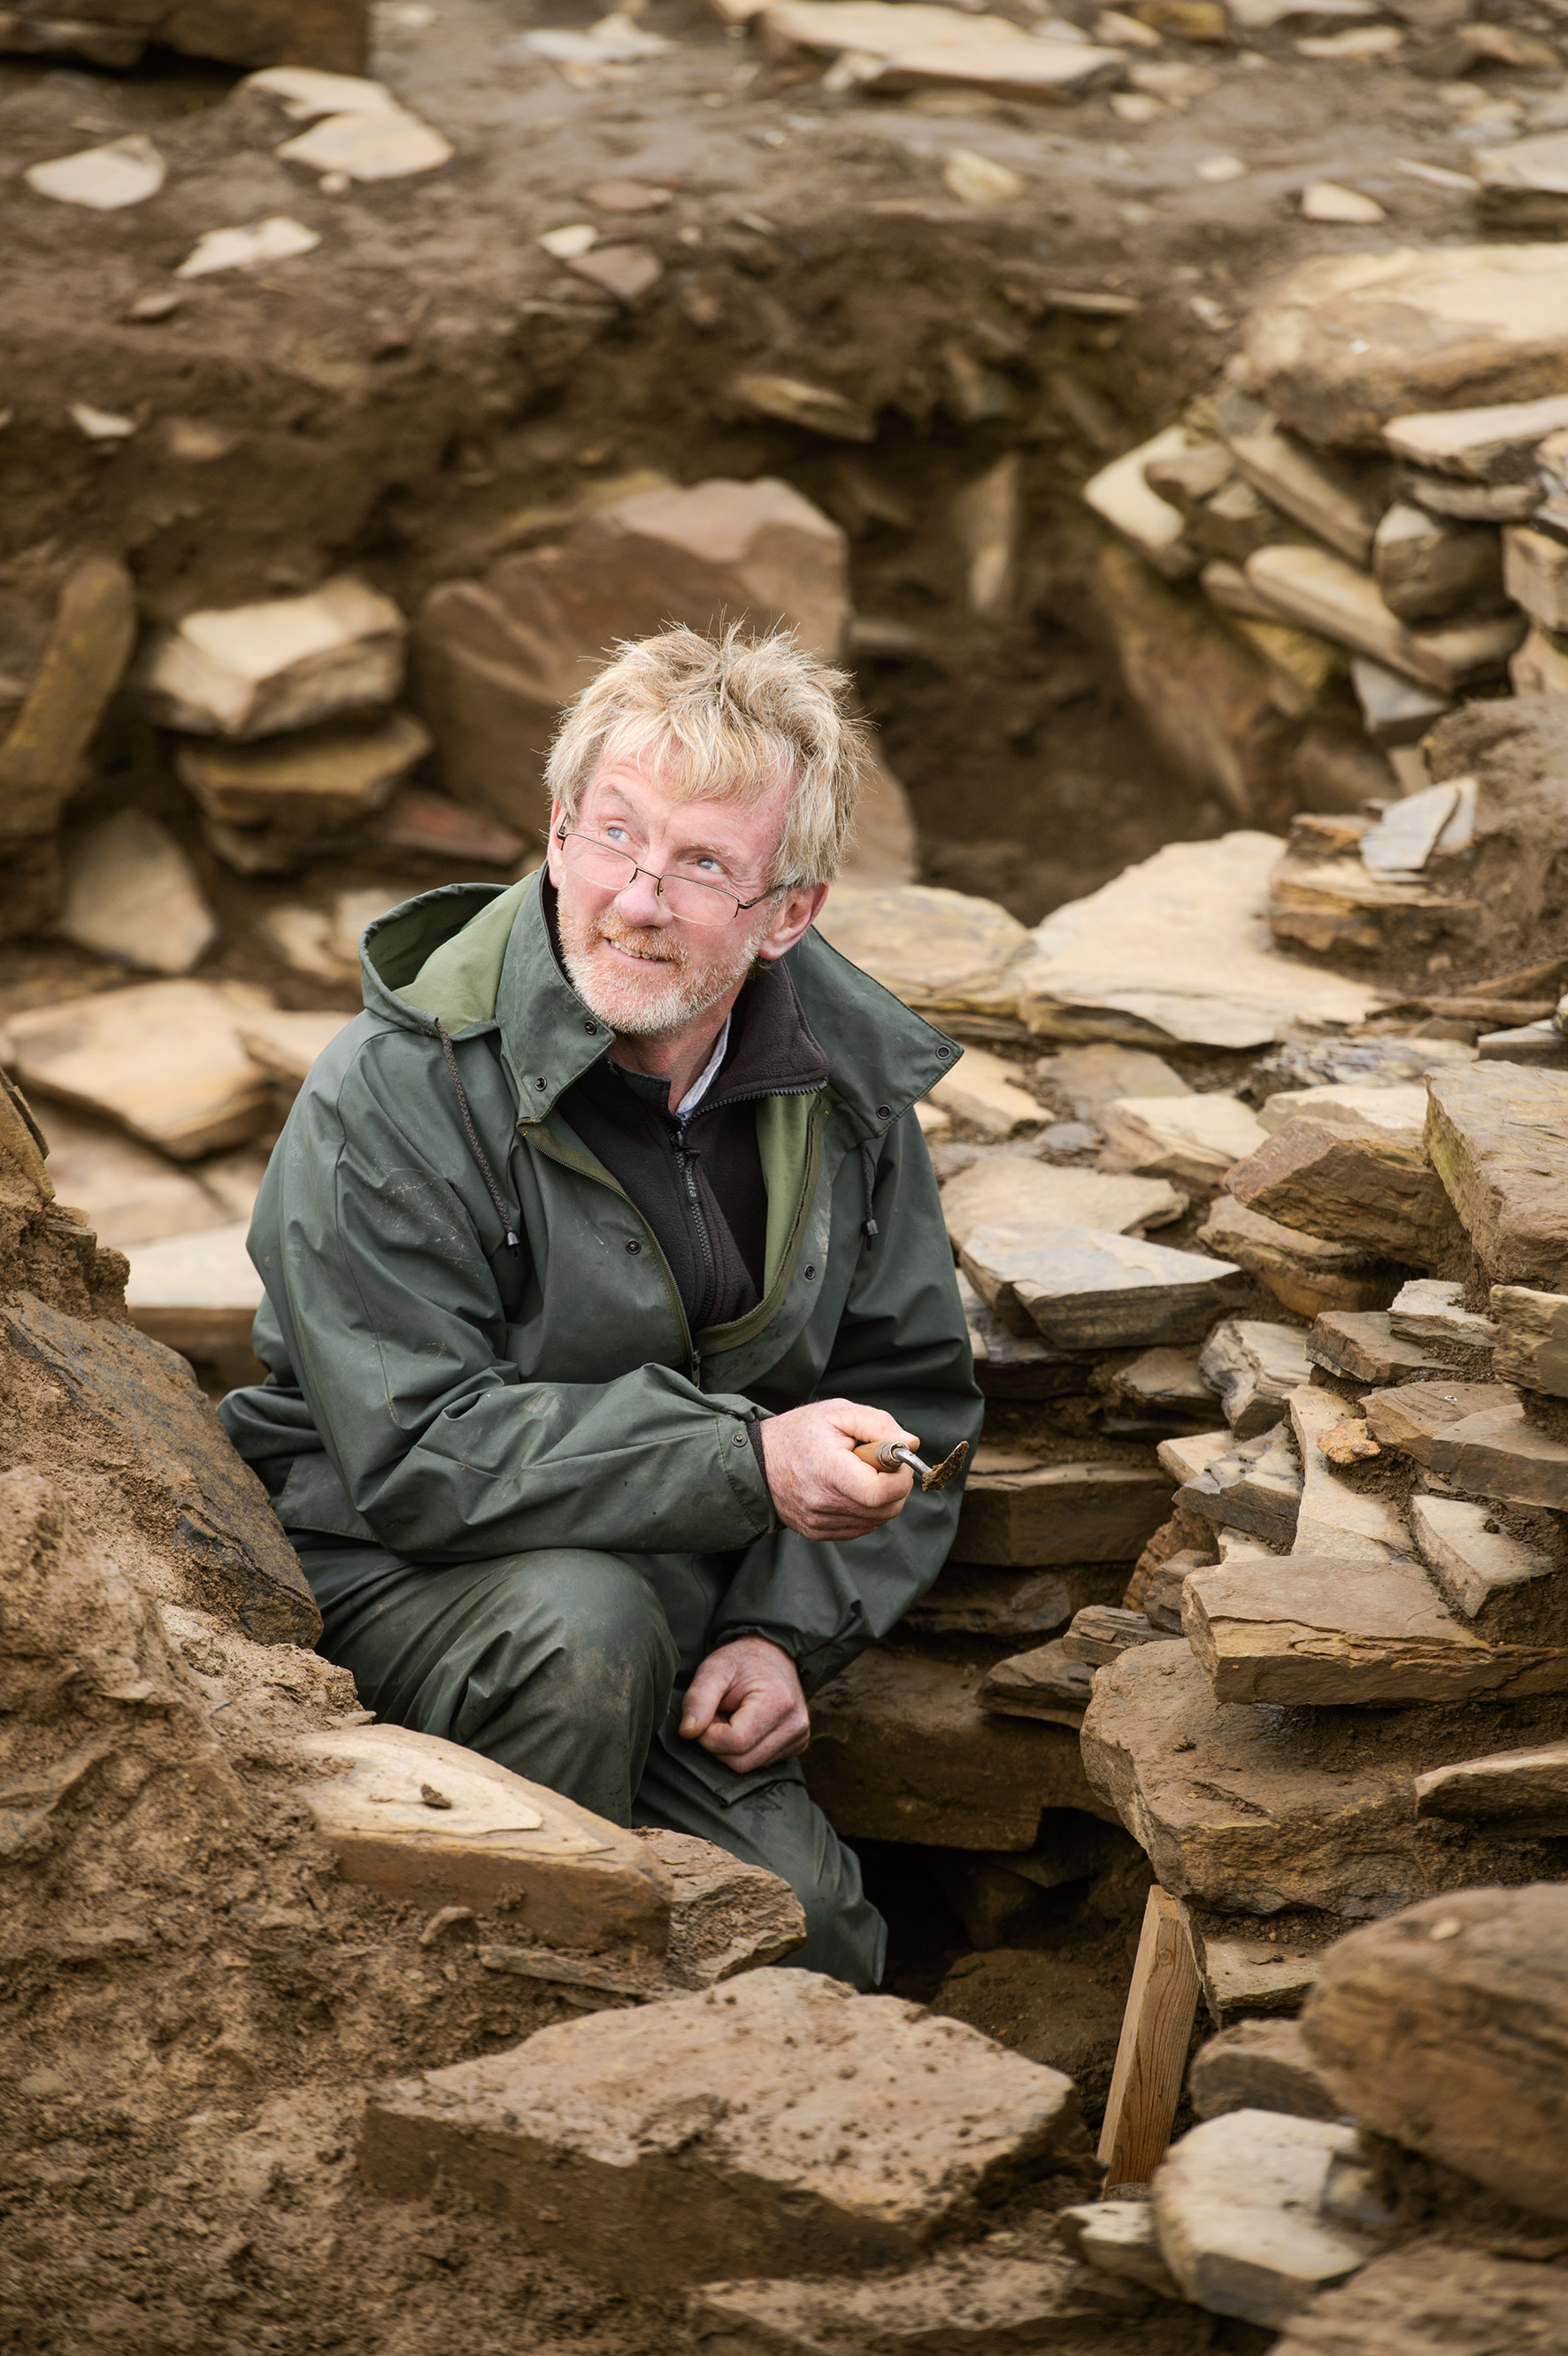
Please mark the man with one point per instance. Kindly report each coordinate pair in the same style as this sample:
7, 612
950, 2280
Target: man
591, 1250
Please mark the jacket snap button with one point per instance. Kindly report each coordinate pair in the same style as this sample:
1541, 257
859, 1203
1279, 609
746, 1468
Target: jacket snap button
592, 1030
810, 1272
943, 1053
739, 1439
541, 1085
633, 1245
884, 1112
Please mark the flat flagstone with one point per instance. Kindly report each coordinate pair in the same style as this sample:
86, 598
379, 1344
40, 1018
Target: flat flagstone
917, 46
1400, 1110
1013, 1192
1242, 1975
376, 144
1361, 1346
255, 670
1307, 1274
1528, 1787
1331, 499
690, 2145
1254, 1367
1318, 590
1122, 496
1429, 567
1496, 444
132, 894
1045, 1682
1337, 1518
984, 1088
1472, 1560
285, 1045
1084, 1287
1037, 1518
1499, 1136
197, 1294
309, 782
726, 1916
1500, 1453
1465, 2301
1167, 1383
1093, 1076
162, 1058
104, 179
1192, 1140
976, 2299
1357, 1186
1254, 1485
940, 952
1428, 1309
1409, 1416
1238, 2208
1259, 2065
131, 1194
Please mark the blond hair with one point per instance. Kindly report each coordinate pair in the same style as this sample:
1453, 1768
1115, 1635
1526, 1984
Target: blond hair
726, 719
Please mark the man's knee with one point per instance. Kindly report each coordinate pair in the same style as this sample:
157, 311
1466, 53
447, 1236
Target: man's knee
588, 1629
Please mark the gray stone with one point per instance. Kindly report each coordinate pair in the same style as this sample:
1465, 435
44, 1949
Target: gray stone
1014, 1192
1259, 2065
1012, 1366
1119, 2237
1083, 1288
1540, 1043
1362, 1348
1445, 2028
257, 671
1430, 566
1499, 1138
1532, 1338
1464, 2301
1395, 710
1055, 1514
1091, 1078
1254, 1486
145, 1399
1254, 1367
132, 894
1528, 1787
1307, 1274
1428, 1309
1045, 1683
1385, 1059
1238, 2206
700, 2149
1471, 1560
1100, 1632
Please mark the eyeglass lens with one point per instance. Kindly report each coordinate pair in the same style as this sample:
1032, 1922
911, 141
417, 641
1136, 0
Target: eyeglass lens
686, 896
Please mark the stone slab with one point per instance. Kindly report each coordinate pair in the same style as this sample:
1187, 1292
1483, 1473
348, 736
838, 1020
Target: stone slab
1254, 1367
1500, 1453
1176, 950
1042, 1683
1409, 1416
1091, 1078
1250, 1810
84, 654
223, 1529
1429, 567
1256, 1485
1167, 1383
1008, 1606
1531, 1332
1012, 1192
1375, 1192
287, 1044
258, 671
1429, 2295
1447, 2028
1237, 2205
1259, 2065
941, 952
1428, 1309
1119, 2237
486, 1838
1122, 496
1339, 1516
197, 1294
1348, 343
1399, 1109
131, 1194
693, 2143
726, 1916
1012, 1366
162, 1058
306, 784
1364, 1348
1085, 1288
1192, 1140
903, 1749
1100, 1631
918, 46
985, 1089
1337, 503
1473, 1562
1318, 591
1480, 445
333, 35
1306, 1274
1059, 1513
1242, 1976
132, 894
1497, 1135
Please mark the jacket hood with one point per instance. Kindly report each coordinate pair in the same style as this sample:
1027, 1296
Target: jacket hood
478, 957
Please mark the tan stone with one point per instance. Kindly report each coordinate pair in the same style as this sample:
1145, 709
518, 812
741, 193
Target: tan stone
703, 2148
1340, 505
1100, 1631
1498, 1136
1532, 1338
1499, 1452
1176, 950
1091, 1078
1480, 445
85, 654
726, 1916
1444, 2027
941, 952
1541, 665
1085, 1288
285, 1045
255, 670
1462, 2300
1256, 1485
132, 894
1361, 1188
1254, 1367
1339, 1517
1061, 1514
1192, 1140
1362, 1348
1011, 1191
1166, 1383
1535, 571
1307, 1274
985, 514
1238, 2204
1008, 1606
162, 1058
1524, 186
1242, 1976
1348, 343
1427, 566
198, 1295
1044, 1682
131, 1195
983, 1089
1400, 1110
1259, 2065
306, 784
1528, 1787
1121, 494
1427, 1309
1119, 2238
1321, 592
1474, 1563
916, 45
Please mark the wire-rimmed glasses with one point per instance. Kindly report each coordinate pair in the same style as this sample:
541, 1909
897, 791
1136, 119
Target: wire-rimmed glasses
687, 897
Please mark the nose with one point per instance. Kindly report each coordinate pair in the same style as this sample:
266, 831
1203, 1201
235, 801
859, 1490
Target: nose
640, 902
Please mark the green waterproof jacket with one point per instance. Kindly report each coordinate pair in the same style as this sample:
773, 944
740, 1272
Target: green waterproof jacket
451, 1398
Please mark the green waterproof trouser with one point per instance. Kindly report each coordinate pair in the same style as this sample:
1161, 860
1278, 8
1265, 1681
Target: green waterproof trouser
567, 1666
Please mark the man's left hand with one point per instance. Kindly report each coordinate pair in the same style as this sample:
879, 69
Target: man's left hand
745, 1705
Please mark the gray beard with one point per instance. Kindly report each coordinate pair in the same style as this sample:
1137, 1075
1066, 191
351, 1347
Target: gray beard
655, 1006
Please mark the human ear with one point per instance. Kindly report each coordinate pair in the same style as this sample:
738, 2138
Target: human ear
796, 909
554, 849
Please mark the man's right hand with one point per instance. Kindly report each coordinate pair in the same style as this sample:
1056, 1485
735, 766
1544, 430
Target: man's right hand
819, 1486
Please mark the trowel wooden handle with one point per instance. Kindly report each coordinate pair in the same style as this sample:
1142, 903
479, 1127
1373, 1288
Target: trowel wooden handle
879, 1454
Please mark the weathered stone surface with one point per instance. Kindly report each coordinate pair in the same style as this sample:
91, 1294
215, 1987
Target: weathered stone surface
1427, 1309
940, 46
1499, 1452
1254, 1367
1086, 1288
1237, 2203
1473, 1563
726, 1916
1256, 1485
1320, 591
1119, 2237
1409, 1416
1429, 566
1384, 1058
1178, 950
1121, 495
292, 788
1362, 1348
1445, 2028
1100, 1632
1308, 1274
1010, 1607
1338, 503
1480, 446
422, 1818
285, 1045
1394, 711
1193, 1138
1397, 1108
1497, 1135
1541, 665
1242, 1976
1259, 2065
1167, 1383
1010, 1366
84, 654
941, 952
1358, 1187
709, 2147
130, 894
1091, 1078
1014, 1192
1532, 1338
1464, 2301
984, 1090
1324, 896
131, 1195
1527, 1043
330, 34
1535, 571
977, 2299
198, 1295
256, 670
1250, 1810
902, 1750
1044, 1682
237, 1558
1349, 343
163, 1059
1337, 1518
1061, 1514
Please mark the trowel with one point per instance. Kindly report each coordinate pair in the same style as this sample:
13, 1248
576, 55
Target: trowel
892, 1456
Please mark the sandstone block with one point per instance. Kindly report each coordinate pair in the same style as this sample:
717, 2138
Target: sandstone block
257, 671
1339, 503
941, 952
1321, 592
1370, 1190
1429, 566
1122, 496
1044, 1682
1054, 1514
1394, 711
985, 1089
1498, 1136
1101, 1632
975, 2300
1480, 446
1084, 1287
726, 1916
1167, 1383
1397, 1109
1500, 1453
1348, 343
285, 1045
1242, 1976
941, 46
198, 1295
695, 2139
1525, 1787
1427, 1309
1254, 1367
1464, 2301
131, 1194
1176, 950
1259, 2065
1091, 1078
903, 1749
1119, 2237
1194, 1139
1444, 2027
292, 788
1011, 1365
1308, 1274
86, 652
1238, 2207
1535, 572
1013, 1192
1337, 1518
1364, 1348
237, 1558
1410, 1415
1532, 1338
1256, 1485
1474, 1563
130, 894
163, 1059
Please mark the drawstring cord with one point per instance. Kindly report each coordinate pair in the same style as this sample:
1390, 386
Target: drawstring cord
496, 1195
868, 1180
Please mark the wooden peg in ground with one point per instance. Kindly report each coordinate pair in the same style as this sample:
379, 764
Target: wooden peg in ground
1157, 2028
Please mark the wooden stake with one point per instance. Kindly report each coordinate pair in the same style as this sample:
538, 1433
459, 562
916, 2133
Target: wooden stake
1156, 2028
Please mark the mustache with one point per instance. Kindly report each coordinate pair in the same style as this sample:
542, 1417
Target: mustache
641, 940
